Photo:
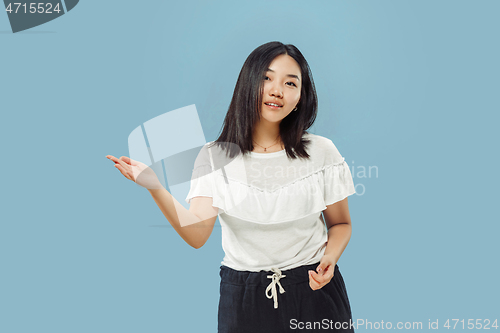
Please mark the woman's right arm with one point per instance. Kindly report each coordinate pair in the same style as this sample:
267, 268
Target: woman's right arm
194, 225
198, 221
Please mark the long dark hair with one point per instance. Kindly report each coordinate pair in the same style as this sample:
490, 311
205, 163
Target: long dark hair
245, 104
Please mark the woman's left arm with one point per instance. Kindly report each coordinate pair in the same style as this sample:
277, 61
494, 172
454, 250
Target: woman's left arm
338, 222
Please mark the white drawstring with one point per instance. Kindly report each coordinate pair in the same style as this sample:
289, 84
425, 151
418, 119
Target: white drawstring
272, 286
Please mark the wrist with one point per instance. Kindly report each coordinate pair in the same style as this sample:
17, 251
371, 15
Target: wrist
332, 258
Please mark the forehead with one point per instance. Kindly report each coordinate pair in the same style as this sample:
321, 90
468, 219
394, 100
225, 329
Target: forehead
284, 64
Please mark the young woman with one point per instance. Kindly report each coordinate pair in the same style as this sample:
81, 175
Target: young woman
273, 186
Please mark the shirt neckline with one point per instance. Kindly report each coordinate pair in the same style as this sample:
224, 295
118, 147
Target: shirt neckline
276, 153
268, 155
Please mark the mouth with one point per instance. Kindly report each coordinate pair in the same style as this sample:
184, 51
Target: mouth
273, 106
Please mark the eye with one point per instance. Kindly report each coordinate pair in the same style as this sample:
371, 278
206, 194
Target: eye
265, 77
292, 83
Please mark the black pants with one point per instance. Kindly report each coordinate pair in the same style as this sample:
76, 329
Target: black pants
244, 306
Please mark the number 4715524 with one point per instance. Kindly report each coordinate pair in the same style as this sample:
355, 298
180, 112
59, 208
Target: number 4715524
471, 324
35, 7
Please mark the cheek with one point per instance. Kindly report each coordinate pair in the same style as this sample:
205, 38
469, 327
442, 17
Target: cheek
296, 96
265, 87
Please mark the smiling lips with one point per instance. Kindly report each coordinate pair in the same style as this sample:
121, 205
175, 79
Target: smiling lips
274, 105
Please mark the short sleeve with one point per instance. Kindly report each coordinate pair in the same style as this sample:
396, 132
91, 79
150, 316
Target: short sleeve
338, 182
202, 177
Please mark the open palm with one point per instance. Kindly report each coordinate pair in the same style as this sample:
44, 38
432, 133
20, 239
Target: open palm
137, 172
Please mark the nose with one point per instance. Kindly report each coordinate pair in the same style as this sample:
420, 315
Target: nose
276, 91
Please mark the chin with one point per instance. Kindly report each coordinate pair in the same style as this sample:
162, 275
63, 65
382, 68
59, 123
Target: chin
272, 118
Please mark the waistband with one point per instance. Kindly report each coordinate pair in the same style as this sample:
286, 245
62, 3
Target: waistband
271, 279
293, 276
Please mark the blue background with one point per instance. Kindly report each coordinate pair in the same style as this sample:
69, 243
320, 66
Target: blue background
410, 87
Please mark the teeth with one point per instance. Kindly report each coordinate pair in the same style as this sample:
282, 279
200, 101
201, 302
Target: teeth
273, 104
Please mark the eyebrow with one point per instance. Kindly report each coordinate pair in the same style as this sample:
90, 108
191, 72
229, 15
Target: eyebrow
289, 75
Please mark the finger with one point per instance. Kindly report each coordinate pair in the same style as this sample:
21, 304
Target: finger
313, 275
112, 158
120, 166
123, 164
313, 284
324, 266
316, 276
123, 171
322, 279
128, 160
326, 271
124, 161
327, 274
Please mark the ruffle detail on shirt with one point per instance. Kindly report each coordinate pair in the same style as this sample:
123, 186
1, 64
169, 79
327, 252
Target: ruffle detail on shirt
301, 198
337, 183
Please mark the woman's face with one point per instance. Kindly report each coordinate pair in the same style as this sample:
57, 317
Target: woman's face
282, 85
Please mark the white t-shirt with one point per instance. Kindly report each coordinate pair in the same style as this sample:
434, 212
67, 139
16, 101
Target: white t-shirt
269, 205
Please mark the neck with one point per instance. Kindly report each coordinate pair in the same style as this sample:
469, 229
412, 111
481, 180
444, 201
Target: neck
266, 134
